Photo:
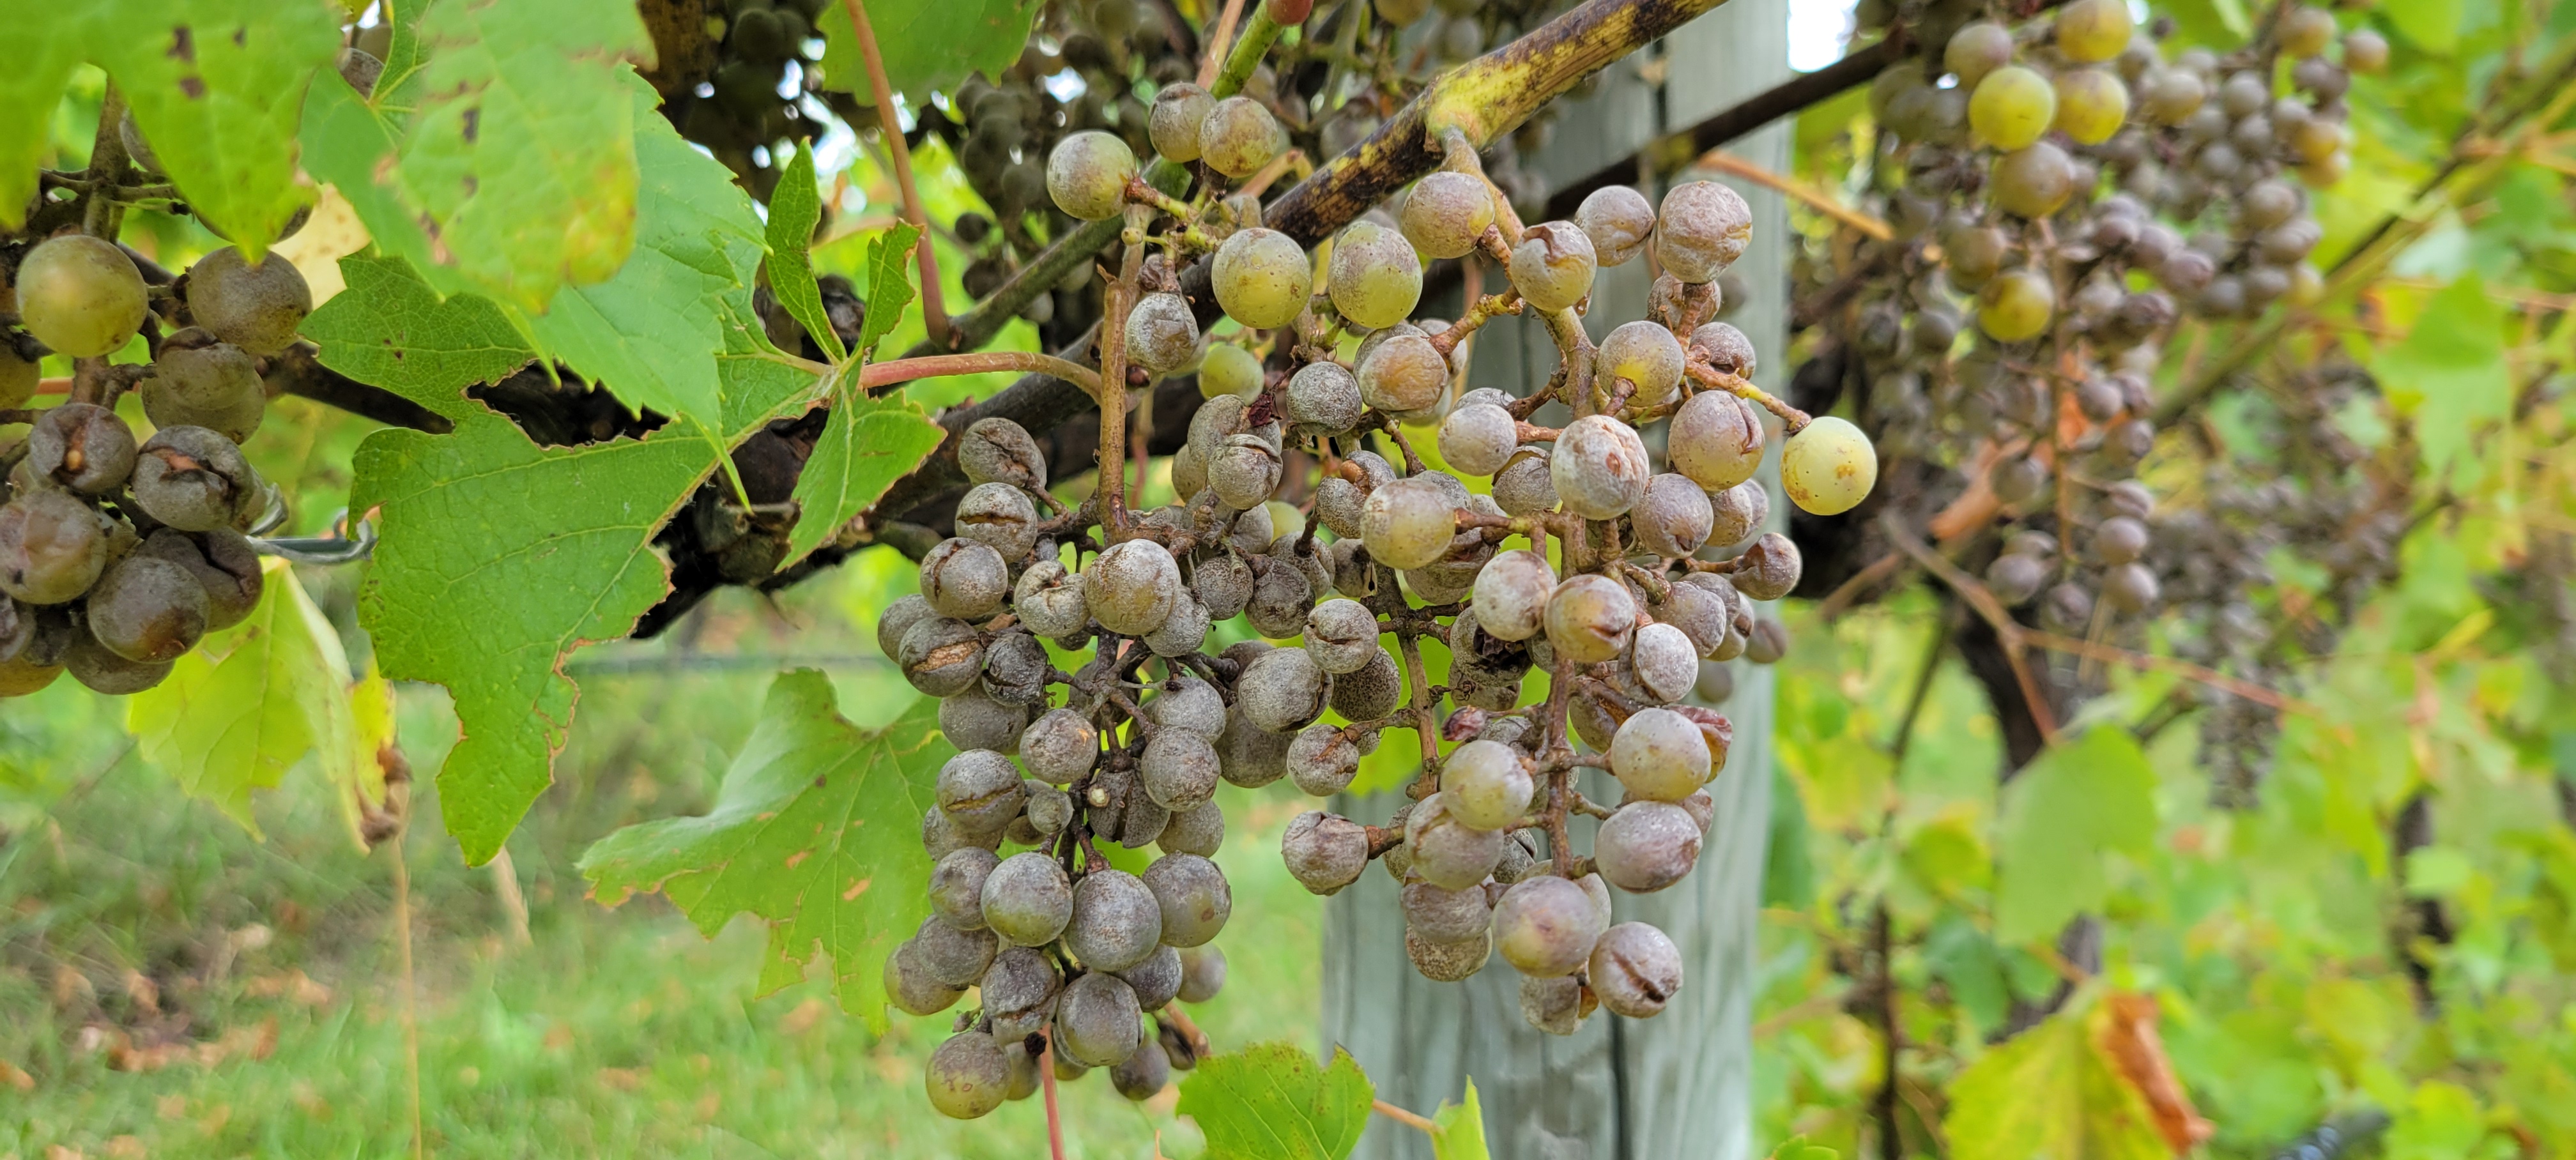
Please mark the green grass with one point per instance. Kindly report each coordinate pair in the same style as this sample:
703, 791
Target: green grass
171, 986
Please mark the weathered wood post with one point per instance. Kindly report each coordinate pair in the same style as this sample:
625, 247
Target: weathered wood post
1678, 1085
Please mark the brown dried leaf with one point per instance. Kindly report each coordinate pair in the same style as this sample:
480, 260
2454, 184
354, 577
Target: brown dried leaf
2129, 1037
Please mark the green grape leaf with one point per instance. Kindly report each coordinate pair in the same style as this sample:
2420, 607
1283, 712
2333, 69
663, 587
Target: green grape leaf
2449, 373
521, 154
2052, 1091
388, 328
217, 87
867, 444
815, 830
2077, 800
2219, 24
925, 46
1458, 1130
890, 290
497, 559
794, 207
251, 701
1272, 1101
2431, 25
651, 334
44, 50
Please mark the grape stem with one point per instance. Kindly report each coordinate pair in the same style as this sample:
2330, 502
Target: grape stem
1417, 679
1182, 215
1485, 310
2008, 632
1121, 297
1046, 1080
1401, 1116
1216, 44
1702, 373
934, 310
905, 370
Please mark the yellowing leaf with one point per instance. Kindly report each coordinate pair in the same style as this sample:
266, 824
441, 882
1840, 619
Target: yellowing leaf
1272, 1101
250, 702
2071, 805
816, 830
2449, 374
2050, 1093
521, 154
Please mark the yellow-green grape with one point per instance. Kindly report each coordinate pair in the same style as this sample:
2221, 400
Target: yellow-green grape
80, 295
1374, 277
1828, 467
1408, 523
1087, 174
1977, 48
2033, 182
18, 377
1179, 111
2306, 285
2326, 171
2016, 305
1645, 354
1262, 278
1239, 137
2365, 51
2012, 107
2092, 103
2093, 30
1552, 266
1446, 212
1228, 369
2311, 141
2306, 31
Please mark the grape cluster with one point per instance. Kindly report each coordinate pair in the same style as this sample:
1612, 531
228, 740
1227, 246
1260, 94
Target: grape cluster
2061, 195
736, 75
1637, 577
118, 555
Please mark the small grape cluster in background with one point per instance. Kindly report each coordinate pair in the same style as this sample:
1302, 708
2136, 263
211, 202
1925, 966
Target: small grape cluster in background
1611, 598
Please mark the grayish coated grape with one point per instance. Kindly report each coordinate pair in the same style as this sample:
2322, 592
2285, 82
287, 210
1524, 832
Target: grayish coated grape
1701, 230
1019, 991
1738, 512
1646, 846
1244, 472
1193, 896
1183, 631
1239, 136
941, 656
1674, 518
1659, 755
1546, 926
1403, 373
1324, 852
1202, 974
1599, 467
1162, 335
256, 308
1552, 266
1698, 612
1374, 277
1590, 619
1001, 451
957, 887
1253, 756
1116, 921
81, 446
1050, 600
1087, 174
1665, 662
1178, 769
964, 579
1716, 440
1445, 851
1324, 397
195, 480
967, 1076
1322, 761
1408, 523
1644, 354
1512, 593
1130, 588
1635, 970
1618, 220
1478, 438
1372, 692
909, 986
1446, 212
1179, 110
974, 720
1727, 350
1525, 485
1553, 1005
1769, 569
1157, 980
1199, 831
1448, 962
1188, 703
980, 789
955, 957
1341, 635
1098, 1022
1059, 746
